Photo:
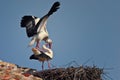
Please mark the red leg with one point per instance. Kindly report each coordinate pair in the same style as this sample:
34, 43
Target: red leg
43, 65
50, 45
37, 45
47, 44
48, 64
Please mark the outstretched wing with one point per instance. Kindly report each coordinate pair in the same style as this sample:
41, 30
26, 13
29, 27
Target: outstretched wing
29, 22
54, 8
34, 24
43, 21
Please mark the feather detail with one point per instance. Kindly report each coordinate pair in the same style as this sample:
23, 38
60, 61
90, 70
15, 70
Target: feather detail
54, 8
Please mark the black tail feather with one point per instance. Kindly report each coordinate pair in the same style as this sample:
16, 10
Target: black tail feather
54, 8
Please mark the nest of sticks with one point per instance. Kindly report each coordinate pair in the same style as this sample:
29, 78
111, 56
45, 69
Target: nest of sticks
71, 73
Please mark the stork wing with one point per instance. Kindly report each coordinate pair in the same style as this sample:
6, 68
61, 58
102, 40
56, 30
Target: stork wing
36, 57
54, 8
33, 57
42, 23
29, 22
34, 25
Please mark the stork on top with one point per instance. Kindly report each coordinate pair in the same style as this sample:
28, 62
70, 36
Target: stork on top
36, 27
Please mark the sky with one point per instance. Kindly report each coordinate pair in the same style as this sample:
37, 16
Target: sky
83, 31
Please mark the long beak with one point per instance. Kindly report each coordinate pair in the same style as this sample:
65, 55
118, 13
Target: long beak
50, 45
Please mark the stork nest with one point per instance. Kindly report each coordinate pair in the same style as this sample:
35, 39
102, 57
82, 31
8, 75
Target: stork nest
71, 73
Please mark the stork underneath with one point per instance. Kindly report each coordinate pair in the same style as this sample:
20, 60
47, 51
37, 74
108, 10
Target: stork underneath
45, 55
36, 27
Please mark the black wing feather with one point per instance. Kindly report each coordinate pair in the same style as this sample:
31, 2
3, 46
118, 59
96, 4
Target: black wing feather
33, 57
42, 55
25, 20
54, 8
29, 23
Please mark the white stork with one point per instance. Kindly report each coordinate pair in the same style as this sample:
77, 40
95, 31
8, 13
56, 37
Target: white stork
36, 27
45, 55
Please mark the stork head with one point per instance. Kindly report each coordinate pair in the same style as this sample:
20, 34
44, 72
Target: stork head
49, 42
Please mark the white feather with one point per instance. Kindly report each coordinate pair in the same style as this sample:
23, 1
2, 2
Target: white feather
48, 51
32, 42
42, 25
36, 20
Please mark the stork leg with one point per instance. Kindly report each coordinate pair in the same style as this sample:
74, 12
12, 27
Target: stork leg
37, 45
43, 65
48, 64
50, 45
